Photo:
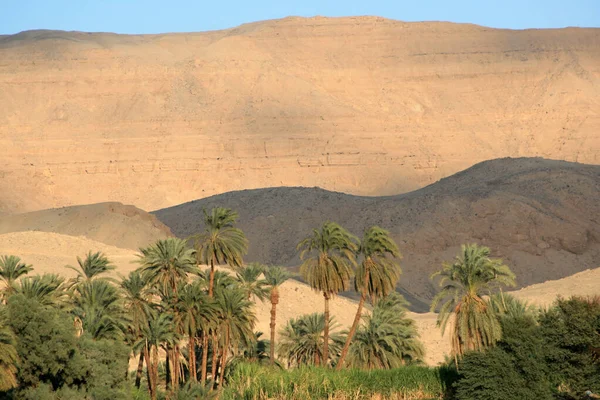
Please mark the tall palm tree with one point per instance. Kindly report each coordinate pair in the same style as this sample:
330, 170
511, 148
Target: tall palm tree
155, 334
301, 340
376, 276
250, 282
90, 267
236, 322
329, 255
274, 276
464, 284
47, 289
194, 311
167, 263
99, 307
8, 359
137, 303
11, 269
220, 243
387, 339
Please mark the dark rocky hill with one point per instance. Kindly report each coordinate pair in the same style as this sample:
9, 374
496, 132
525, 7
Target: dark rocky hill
541, 216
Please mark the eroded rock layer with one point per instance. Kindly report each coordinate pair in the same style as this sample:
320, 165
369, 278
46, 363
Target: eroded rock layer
362, 105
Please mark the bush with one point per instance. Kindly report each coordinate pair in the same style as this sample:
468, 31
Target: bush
571, 329
514, 369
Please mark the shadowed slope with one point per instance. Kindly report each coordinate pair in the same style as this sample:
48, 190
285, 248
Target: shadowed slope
539, 215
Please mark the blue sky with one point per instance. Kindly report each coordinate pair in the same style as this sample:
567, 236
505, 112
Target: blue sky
156, 16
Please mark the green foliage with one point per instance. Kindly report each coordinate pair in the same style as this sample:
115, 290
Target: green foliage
99, 307
276, 275
8, 358
252, 381
90, 267
387, 339
463, 285
166, 263
221, 242
328, 254
571, 329
378, 273
46, 289
249, 280
301, 340
11, 269
507, 305
513, 370
46, 344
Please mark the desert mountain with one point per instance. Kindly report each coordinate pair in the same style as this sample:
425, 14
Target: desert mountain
113, 224
540, 216
361, 105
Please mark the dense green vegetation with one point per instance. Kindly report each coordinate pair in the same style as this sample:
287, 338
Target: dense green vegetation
189, 333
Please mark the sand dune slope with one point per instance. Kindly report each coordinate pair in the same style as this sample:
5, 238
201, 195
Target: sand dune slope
49, 252
110, 223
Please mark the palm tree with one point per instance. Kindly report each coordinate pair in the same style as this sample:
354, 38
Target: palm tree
11, 269
505, 304
194, 311
47, 289
376, 276
328, 254
90, 267
220, 243
155, 334
274, 276
137, 303
387, 339
301, 340
8, 359
236, 322
249, 281
98, 305
167, 263
463, 285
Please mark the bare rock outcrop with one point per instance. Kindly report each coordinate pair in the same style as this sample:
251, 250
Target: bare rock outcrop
363, 105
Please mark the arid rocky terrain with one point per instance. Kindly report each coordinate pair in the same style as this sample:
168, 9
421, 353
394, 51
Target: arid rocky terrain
363, 105
540, 216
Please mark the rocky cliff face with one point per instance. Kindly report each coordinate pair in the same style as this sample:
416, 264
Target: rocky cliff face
366, 106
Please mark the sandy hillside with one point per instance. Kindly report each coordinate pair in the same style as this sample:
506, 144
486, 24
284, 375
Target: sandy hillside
586, 283
49, 252
110, 223
362, 105
539, 216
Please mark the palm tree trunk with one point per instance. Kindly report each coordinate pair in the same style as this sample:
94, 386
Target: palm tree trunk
204, 356
168, 369
353, 328
326, 331
175, 368
150, 373
274, 301
224, 359
361, 303
215, 355
140, 369
211, 281
192, 358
